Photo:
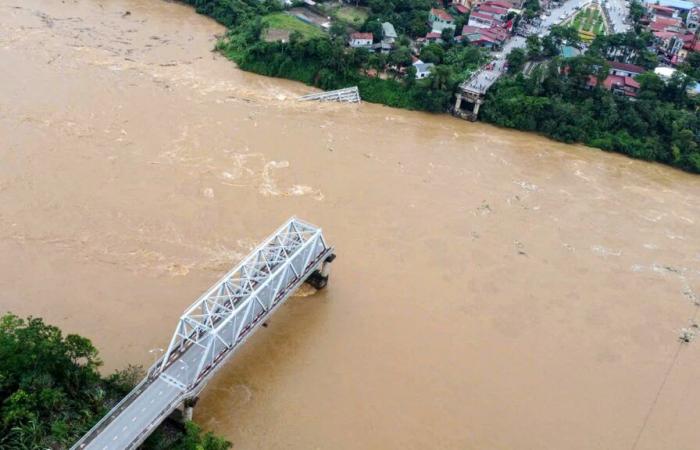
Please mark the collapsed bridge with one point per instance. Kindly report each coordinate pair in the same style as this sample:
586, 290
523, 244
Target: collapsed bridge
212, 329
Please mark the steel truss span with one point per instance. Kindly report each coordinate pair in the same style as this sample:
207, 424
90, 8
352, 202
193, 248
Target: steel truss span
212, 328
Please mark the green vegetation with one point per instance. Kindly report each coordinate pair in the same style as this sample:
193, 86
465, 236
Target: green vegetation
532, 8
326, 61
51, 392
352, 15
282, 21
329, 64
589, 20
661, 125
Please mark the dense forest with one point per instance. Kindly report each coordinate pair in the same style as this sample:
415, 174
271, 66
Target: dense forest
555, 98
51, 391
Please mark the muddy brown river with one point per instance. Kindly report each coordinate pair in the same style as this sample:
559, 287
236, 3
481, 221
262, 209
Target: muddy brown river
493, 289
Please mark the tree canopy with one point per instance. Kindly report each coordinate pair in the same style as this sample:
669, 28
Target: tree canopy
51, 391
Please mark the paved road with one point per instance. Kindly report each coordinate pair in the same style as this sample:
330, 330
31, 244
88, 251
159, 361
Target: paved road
152, 405
148, 408
618, 11
483, 80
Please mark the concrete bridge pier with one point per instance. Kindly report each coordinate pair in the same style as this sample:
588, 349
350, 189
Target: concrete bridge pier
319, 278
188, 408
184, 412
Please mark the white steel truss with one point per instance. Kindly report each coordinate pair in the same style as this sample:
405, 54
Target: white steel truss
221, 318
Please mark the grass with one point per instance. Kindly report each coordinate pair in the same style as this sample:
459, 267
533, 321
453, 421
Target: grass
589, 20
284, 21
352, 15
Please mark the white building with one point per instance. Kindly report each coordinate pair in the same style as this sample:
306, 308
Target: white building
361, 40
422, 69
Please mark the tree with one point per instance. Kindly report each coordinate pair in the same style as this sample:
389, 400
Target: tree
532, 8
374, 27
549, 47
440, 78
516, 60
51, 392
432, 53
400, 57
338, 31
534, 47
448, 36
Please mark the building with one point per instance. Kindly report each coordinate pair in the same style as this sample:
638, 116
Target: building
665, 73
389, 37
491, 38
434, 36
619, 85
477, 19
361, 40
625, 70
489, 14
679, 5
693, 20
422, 69
439, 19
389, 32
463, 6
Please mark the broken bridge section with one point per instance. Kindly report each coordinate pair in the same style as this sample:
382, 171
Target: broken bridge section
212, 329
345, 95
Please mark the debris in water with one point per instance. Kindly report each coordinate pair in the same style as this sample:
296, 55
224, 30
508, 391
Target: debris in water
687, 335
484, 208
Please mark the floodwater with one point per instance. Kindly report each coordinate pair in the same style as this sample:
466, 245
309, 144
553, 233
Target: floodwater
493, 289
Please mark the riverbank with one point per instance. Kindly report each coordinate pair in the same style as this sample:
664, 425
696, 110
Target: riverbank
658, 126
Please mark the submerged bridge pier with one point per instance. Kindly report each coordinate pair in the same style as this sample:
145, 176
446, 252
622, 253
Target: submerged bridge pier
211, 330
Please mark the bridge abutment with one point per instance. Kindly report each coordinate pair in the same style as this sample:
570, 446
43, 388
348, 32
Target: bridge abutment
467, 105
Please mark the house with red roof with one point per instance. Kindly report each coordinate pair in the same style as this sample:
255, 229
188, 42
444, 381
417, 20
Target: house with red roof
500, 3
663, 11
627, 86
488, 14
625, 70
490, 38
434, 36
666, 24
481, 20
439, 19
361, 40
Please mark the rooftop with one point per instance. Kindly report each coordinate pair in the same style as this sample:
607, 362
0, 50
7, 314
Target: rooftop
442, 14
676, 4
626, 67
363, 36
389, 30
489, 9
